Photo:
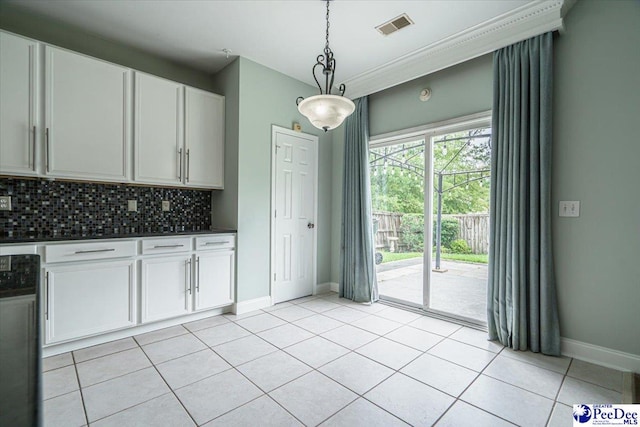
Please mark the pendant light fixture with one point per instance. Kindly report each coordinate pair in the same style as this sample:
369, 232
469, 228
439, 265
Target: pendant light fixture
326, 111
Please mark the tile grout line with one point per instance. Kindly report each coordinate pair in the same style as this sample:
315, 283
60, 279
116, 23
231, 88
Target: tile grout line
171, 390
84, 407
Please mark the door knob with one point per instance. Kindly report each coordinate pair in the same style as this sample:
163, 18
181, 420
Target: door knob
311, 225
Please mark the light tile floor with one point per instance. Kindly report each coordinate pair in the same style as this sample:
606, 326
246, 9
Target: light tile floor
318, 361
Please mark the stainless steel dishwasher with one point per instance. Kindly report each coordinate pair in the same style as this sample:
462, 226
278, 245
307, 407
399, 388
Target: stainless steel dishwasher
20, 361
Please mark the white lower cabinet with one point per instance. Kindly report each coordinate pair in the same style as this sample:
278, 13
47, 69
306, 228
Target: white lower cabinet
166, 287
215, 277
89, 298
94, 287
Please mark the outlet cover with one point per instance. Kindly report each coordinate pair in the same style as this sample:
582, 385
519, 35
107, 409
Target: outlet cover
166, 205
5, 203
132, 205
569, 208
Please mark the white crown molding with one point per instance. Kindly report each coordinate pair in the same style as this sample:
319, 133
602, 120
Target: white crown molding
522, 23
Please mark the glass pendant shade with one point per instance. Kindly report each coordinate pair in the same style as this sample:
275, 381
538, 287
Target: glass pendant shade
326, 112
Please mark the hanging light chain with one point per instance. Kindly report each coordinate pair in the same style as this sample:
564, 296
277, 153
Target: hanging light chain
326, 46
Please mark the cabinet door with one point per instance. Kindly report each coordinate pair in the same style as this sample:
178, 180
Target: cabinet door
204, 139
166, 287
88, 299
86, 117
158, 133
18, 105
215, 279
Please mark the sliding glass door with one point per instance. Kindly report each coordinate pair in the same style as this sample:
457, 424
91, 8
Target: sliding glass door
430, 196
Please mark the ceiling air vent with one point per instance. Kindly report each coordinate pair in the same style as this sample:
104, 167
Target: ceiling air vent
397, 23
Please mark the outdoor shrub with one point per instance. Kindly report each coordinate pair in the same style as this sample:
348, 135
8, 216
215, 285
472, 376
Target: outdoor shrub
449, 231
460, 246
412, 232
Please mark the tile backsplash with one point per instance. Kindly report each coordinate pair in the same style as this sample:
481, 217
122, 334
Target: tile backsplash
62, 208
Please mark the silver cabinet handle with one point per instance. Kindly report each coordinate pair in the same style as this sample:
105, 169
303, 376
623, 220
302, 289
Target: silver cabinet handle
167, 246
188, 165
46, 292
33, 154
197, 274
180, 164
215, 243
187, 270
46, 145
94, 251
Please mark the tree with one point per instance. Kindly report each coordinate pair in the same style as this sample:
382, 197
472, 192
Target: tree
397, 180
457, 155
397, 174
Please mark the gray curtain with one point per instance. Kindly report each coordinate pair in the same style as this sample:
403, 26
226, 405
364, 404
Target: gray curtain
521, 298
357, 267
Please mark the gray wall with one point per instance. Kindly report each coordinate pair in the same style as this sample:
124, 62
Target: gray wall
267, 98
595, 160
224, 204
52, 32
456, 91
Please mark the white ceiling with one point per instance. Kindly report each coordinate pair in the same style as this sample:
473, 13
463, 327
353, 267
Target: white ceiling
283, 35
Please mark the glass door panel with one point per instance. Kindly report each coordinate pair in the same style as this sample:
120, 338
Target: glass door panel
460, 182
397, 174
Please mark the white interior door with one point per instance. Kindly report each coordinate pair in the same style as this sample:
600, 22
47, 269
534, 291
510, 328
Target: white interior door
294, 211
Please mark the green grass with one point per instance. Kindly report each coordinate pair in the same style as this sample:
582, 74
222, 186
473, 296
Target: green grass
397, 256
475, 258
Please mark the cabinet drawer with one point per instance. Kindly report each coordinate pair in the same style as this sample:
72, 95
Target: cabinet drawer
18, 249
166, 245
219, 241
89, 251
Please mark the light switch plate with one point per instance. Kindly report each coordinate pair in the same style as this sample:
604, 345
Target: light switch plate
5, 203
132, 205
166, 206
569, 208
5, 263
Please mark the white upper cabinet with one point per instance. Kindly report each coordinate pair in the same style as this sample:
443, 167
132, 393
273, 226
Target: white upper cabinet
87, 117
18, 105
158, 130
204, 139
67, 115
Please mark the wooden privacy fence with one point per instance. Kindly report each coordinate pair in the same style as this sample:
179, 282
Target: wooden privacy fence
388, 229
474, 229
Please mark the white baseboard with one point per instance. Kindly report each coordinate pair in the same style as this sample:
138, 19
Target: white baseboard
600, 355
323, 288
335, 287
243, 307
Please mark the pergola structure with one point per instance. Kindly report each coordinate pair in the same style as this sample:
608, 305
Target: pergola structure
397, 158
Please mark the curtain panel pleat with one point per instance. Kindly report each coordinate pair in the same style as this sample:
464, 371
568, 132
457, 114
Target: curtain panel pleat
522, 309
357, 267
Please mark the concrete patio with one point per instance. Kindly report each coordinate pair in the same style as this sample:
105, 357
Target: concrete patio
460, 291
